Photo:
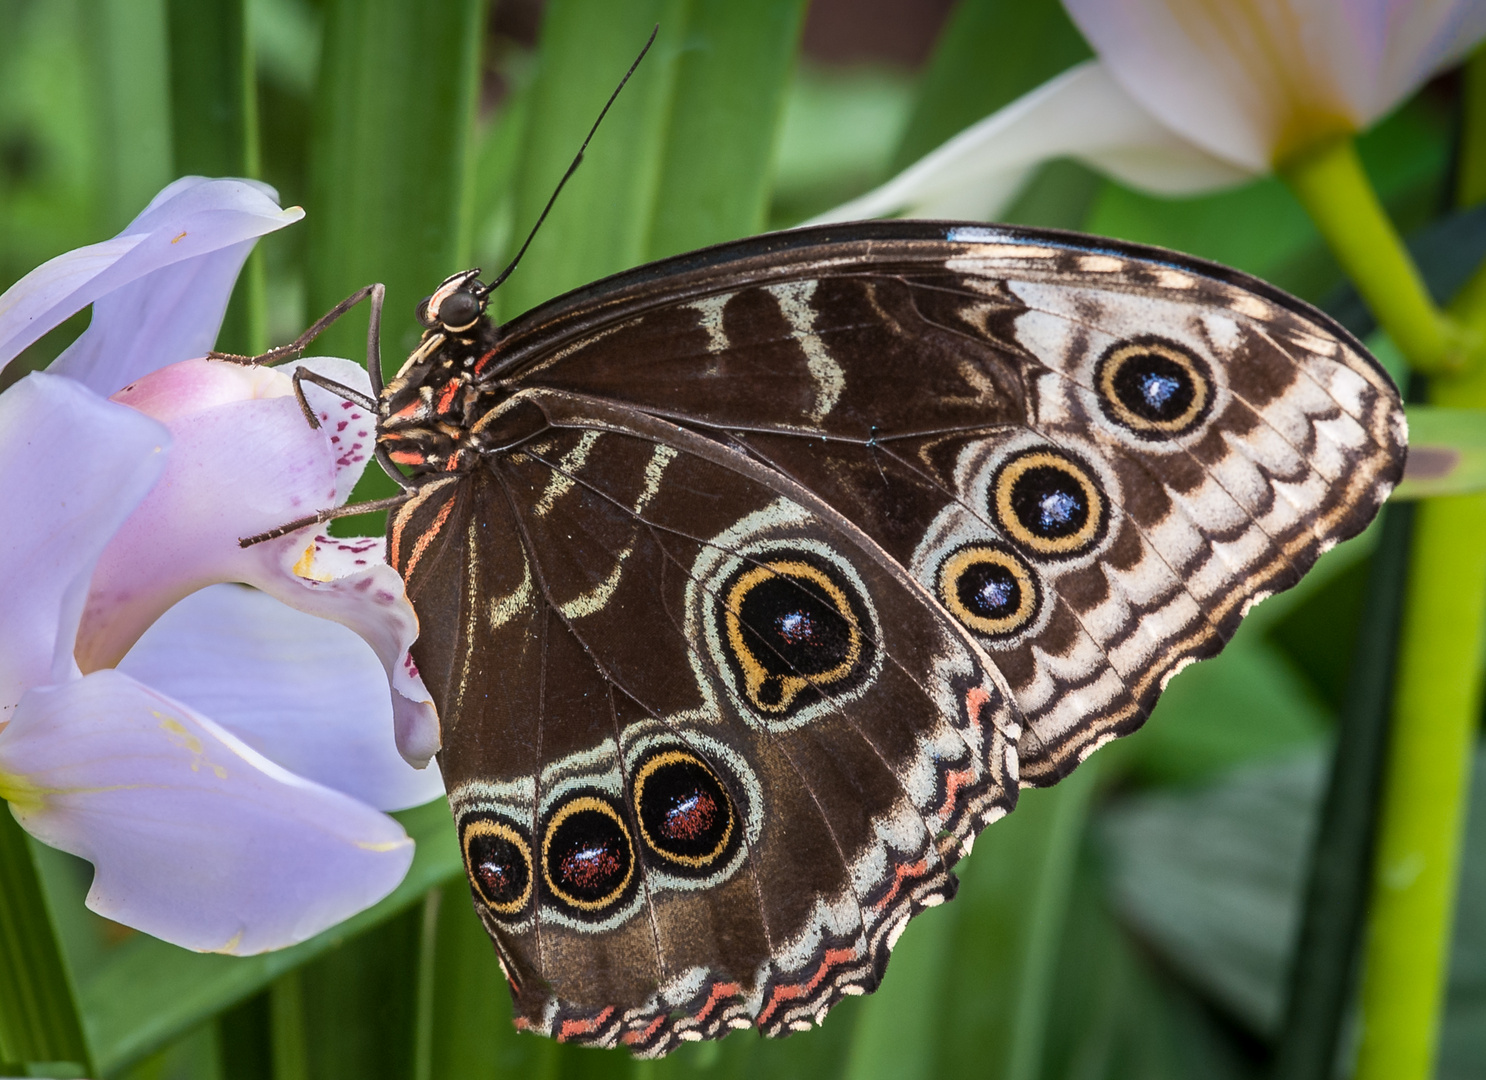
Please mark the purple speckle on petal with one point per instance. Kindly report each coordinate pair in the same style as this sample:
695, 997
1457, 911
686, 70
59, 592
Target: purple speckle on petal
342, 425
348, 404
363, 585
385, 597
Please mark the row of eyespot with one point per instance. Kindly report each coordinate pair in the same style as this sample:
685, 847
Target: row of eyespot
685, 819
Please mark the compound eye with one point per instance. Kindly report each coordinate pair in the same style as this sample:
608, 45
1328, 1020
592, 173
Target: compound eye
458, 311
421, 314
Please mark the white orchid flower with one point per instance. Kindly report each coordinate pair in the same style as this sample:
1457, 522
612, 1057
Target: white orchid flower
221, 754
1190, 96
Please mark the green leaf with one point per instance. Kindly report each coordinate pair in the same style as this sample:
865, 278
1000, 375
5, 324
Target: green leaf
683, 157
149, 993
726, 107
38, 1009
1447, 452
214, 119
391, 164
990, 53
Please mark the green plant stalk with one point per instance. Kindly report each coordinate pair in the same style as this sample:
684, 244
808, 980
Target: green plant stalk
39, 1017
1437, 697
1329, 181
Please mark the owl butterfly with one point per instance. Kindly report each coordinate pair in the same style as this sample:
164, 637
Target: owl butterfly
753, 583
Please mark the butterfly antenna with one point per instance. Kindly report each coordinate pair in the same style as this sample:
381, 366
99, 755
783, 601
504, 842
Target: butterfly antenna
578, 160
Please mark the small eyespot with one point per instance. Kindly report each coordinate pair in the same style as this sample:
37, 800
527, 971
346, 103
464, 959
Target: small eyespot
588, 859
1047, 503
1154, 388
459, 311
498, 860
685, 814
990, 589
793, 629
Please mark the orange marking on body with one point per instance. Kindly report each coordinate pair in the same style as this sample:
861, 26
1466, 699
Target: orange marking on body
452, 463
791, 991
447, 397
409, 411
520, 1023
424, 539
584, 1027
480, 363
917, 870
406, 457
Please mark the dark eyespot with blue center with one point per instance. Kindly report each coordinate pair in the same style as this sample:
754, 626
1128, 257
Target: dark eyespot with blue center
1048, 503
1154, 388
990, 589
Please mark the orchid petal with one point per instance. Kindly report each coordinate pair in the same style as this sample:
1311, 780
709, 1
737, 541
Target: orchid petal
304, 693
76, 466
348, 581
238, 429
158, 289
351, 429
244, 462
1082, 113
1253, 80
195, 837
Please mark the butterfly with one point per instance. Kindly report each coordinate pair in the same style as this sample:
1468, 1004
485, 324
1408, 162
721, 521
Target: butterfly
752, 584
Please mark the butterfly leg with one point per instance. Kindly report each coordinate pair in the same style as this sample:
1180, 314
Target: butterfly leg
323, 516
279, 353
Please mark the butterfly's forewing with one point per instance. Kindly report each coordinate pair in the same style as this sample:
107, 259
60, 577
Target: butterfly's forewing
791, 547
902, 370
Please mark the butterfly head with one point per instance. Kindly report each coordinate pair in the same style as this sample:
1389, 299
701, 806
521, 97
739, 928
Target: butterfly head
456, 305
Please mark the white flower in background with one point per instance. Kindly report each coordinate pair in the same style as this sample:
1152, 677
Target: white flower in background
1189, 96
219, 753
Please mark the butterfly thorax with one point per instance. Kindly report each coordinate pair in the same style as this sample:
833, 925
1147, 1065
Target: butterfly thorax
429, 411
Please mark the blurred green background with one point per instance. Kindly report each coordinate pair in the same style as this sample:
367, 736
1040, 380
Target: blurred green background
1141, 919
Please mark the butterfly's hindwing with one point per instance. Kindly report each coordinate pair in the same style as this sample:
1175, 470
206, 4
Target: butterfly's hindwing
753, 582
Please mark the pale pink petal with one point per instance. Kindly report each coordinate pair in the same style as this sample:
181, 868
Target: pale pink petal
159, 289
352, 430
1252, 80
243, 465
195, 837
73, 466
239, 467
305, 693
1082, 114
348, 580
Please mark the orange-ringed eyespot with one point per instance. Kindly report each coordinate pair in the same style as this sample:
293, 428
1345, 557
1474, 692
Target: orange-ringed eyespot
498, 859
1154, 388
1046, 502
685, 814
990, 589
588, 859
793, 628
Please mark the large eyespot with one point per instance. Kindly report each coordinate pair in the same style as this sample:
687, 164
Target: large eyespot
1154, 388
685, 814
990, 589
588, 859
498, 860
1047, 503
794, 628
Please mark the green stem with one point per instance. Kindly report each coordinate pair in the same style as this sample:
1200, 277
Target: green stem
1321, 979
1421, 824
1330, 183
39, 1018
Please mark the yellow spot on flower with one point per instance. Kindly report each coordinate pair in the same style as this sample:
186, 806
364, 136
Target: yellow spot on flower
230, 948
179, 238
385, 845
190, 743
305, 567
